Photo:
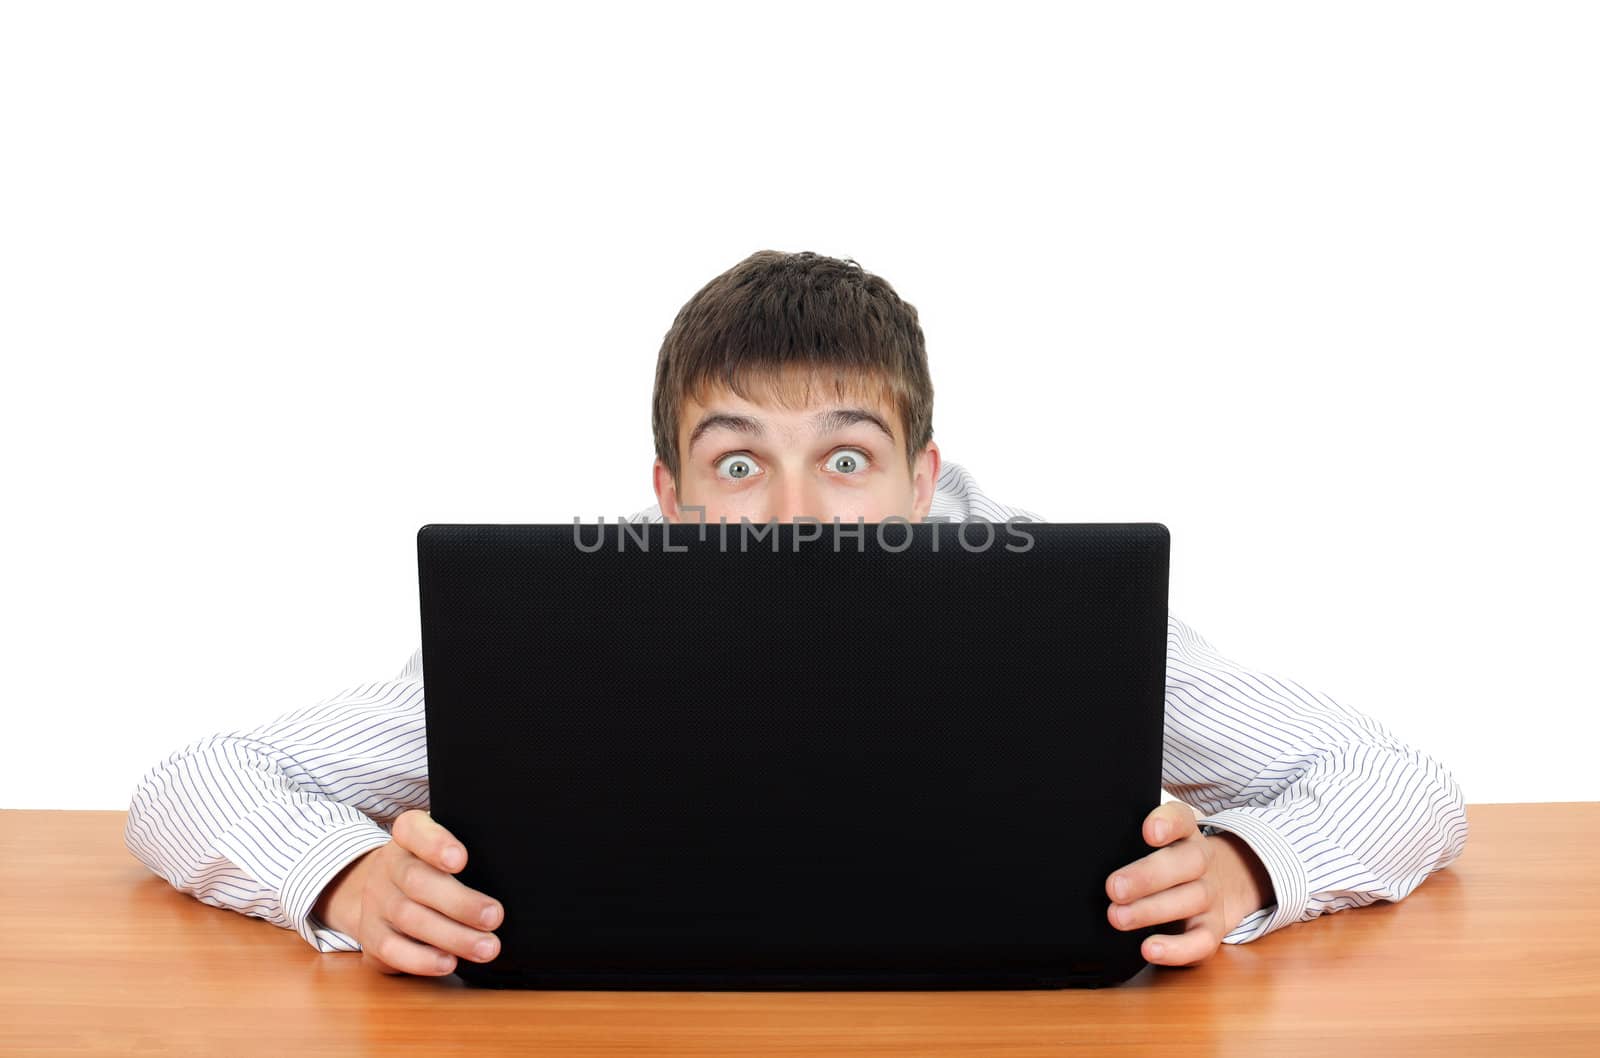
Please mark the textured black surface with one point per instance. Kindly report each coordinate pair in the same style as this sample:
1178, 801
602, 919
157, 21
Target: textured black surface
802, 767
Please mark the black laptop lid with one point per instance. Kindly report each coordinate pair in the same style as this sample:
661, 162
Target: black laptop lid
693, 757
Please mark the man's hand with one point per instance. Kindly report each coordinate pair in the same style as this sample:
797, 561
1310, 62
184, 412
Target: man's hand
401, 903
1209, 882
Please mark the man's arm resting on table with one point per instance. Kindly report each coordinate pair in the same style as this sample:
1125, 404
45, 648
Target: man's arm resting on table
1337, 811
260, 821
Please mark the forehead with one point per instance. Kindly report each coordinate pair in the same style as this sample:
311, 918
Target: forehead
791, 396
789, 402
774, 414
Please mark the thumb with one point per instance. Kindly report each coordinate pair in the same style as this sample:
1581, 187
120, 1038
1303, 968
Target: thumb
418, 833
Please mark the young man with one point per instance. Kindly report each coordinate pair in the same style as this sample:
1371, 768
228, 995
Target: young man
797, 385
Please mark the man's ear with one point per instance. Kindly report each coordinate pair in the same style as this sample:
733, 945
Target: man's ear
666, 491
924, 479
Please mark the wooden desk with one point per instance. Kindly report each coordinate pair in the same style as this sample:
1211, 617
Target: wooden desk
1498, 955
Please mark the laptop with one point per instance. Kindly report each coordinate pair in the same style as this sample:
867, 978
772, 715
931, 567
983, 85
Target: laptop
801, 755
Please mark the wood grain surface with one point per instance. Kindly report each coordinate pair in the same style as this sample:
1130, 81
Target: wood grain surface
1497, 955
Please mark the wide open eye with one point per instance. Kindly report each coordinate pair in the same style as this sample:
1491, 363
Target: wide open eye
737, 467
848, 461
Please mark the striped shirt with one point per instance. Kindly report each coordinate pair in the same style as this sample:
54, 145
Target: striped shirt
1340, 811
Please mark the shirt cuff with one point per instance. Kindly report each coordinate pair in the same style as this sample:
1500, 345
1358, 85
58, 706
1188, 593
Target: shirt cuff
327, 856
1290, 884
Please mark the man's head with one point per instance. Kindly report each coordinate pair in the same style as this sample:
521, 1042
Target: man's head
794, 385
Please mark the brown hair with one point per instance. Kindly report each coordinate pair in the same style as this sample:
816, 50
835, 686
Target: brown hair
776, 322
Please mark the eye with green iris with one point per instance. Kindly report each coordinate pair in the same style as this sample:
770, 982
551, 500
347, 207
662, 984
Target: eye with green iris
737, 467
848, 461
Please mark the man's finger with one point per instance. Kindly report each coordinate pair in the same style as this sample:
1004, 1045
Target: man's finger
424, 924
404, 954
425, 884
1168, 905
1161, 869
1170, 822
1192, 946
419, 835
375, 963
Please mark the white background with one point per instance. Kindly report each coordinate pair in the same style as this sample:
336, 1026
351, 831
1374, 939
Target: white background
1314, 286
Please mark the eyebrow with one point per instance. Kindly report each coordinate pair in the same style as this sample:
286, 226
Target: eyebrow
823, 422
838, 418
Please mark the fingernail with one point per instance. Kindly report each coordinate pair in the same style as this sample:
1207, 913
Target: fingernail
484, 949
1159, 831
1120, 887
1156, 949
446, 964
455, 856
489, 915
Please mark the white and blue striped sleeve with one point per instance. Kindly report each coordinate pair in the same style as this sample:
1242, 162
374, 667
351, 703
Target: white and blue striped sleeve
1340, 811
260, 821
